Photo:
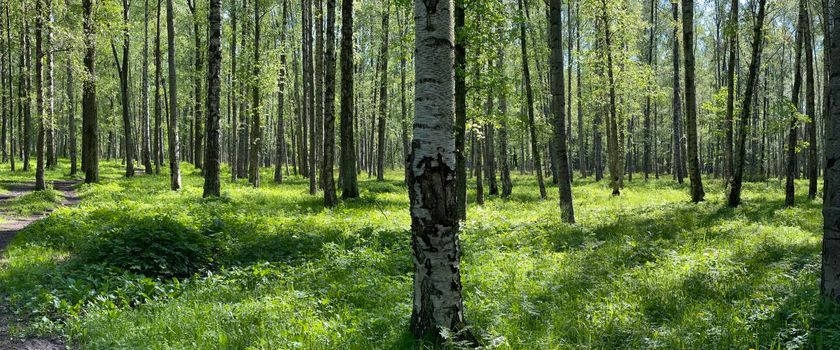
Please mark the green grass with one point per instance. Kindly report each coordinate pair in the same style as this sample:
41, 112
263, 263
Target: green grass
644, 270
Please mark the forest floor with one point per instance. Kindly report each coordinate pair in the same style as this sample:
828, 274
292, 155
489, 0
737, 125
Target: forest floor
20, 206
136, 266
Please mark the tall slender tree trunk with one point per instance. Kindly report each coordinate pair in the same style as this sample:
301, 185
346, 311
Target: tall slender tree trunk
438, 303
697, 192
582, 156
677, 102
145, 152
158, 141
90, 123
383, 93
71, 121
728, 155
461, 113
198, 113
558, 108
646, 152
256, 129
280, 141
830, 281
26, 57
529, 96
507, 185
212, 176
811, 108
174, 145
49, 127
746, 108
613, 142
793, 129
124, 98
330, 198
12, 141
348, 173
40, 183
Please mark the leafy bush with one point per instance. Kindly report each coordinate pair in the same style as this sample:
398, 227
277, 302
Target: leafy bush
152, 246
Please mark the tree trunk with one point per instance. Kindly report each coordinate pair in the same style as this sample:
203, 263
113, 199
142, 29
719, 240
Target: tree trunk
746, 109
10, 95
507, 185
460, 114
728, 155
529, 95
26, 57
90, 123
212, 177
40, 183
145, 152
256, 129
646, 152
122, 66
697, 192
280, 140
438, 304
790, 172
330, 198
347, 171
677, 101
158, 141
558, 108
613, 141
174, 145
49, 132
198, 114
71, 119
811, 108
830, 281
383, 93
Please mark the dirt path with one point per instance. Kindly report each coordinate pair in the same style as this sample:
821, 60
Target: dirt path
8, 230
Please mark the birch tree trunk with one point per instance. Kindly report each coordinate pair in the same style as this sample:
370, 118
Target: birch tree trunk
256, 129
280, 141
431, 183
830, 281
212, 177
174, 145
697, 192
330, 198
529, 95
40, 184
746, 108
348, 173
790, 170
90, 124
145, 152
558, 108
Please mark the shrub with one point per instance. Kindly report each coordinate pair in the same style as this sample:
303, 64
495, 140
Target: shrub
152, 246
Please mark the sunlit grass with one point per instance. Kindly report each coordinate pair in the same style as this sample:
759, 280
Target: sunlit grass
644, 270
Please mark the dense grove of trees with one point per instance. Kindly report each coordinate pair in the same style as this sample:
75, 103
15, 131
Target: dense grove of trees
709, 90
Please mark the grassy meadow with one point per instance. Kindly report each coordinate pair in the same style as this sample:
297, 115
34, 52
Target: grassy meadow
136, 266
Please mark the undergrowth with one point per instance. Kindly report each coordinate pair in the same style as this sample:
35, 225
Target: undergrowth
138, 266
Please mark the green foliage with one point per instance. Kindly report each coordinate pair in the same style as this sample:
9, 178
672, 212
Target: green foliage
152, 246
646, 270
